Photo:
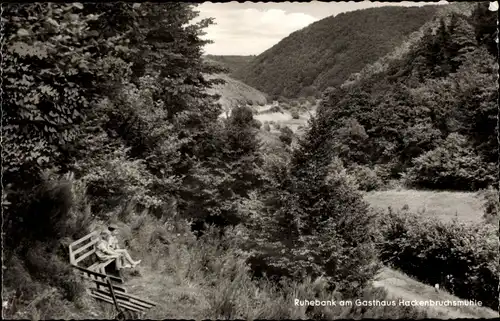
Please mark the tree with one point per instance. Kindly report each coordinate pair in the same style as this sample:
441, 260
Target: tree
222, 182
452, 165
95, 84
317, 224
286, 135
54, 73
462, 40
485, 25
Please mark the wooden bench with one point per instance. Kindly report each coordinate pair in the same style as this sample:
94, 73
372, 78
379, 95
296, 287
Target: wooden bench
104, 290
85, 249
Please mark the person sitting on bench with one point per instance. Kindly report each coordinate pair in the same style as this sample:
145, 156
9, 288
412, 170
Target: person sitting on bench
107, 249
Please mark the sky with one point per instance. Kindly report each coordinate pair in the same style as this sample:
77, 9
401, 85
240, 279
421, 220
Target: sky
250, 28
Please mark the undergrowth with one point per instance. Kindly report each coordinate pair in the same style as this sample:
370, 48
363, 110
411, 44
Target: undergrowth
211, 278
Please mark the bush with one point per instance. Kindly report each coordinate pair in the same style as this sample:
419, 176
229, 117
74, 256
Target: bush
275, 109
277, 126
44, 285
257, 123
282, 99
295, 114
56, 214
491, 205
116, 179
267, 128
285, 106
367, 178
453, 165
462, 257
55, 209
286, 135
220, 284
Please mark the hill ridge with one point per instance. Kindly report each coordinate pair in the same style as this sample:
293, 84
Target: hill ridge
326, 52
383, 62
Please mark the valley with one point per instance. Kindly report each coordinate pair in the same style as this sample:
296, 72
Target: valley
348, 153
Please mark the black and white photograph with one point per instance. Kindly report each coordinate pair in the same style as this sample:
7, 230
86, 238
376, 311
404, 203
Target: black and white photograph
312, 160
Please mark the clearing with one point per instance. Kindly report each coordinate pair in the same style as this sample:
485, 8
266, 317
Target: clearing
465, 206
284, 118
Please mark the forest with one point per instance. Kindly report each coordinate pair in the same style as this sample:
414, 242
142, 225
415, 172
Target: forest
108, 117
328, 51
431, 116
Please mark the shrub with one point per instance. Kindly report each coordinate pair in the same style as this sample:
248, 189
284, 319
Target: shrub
295, 114
275, 109
116, 179
367, 178
44, 285
453, 165
277, 126
462, 257
282, 99
286, 135
284, 106
220, 283
267, 128
55, 209
257, 123
491, 205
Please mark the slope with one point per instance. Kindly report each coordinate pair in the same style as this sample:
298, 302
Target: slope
398, 52
234, 93
190, 300
326, 52
401, 287
429, 111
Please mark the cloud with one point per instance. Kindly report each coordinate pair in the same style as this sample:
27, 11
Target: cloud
248, 31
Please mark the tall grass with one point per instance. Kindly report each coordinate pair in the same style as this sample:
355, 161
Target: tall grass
208, 278
205, 278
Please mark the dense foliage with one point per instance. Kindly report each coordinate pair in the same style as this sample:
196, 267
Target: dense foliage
109, 112
311, 221
326, 52
461, 257
431, 112
117, 95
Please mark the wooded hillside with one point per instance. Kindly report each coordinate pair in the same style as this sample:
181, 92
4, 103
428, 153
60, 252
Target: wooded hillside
429, 115
326, 52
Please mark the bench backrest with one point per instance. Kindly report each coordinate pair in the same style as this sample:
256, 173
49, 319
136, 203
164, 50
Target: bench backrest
83, 248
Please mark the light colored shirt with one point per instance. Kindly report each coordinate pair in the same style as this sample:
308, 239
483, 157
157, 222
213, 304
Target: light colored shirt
104, 252
113, 243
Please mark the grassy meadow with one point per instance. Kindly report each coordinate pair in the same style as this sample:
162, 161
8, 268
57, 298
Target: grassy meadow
464, 206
